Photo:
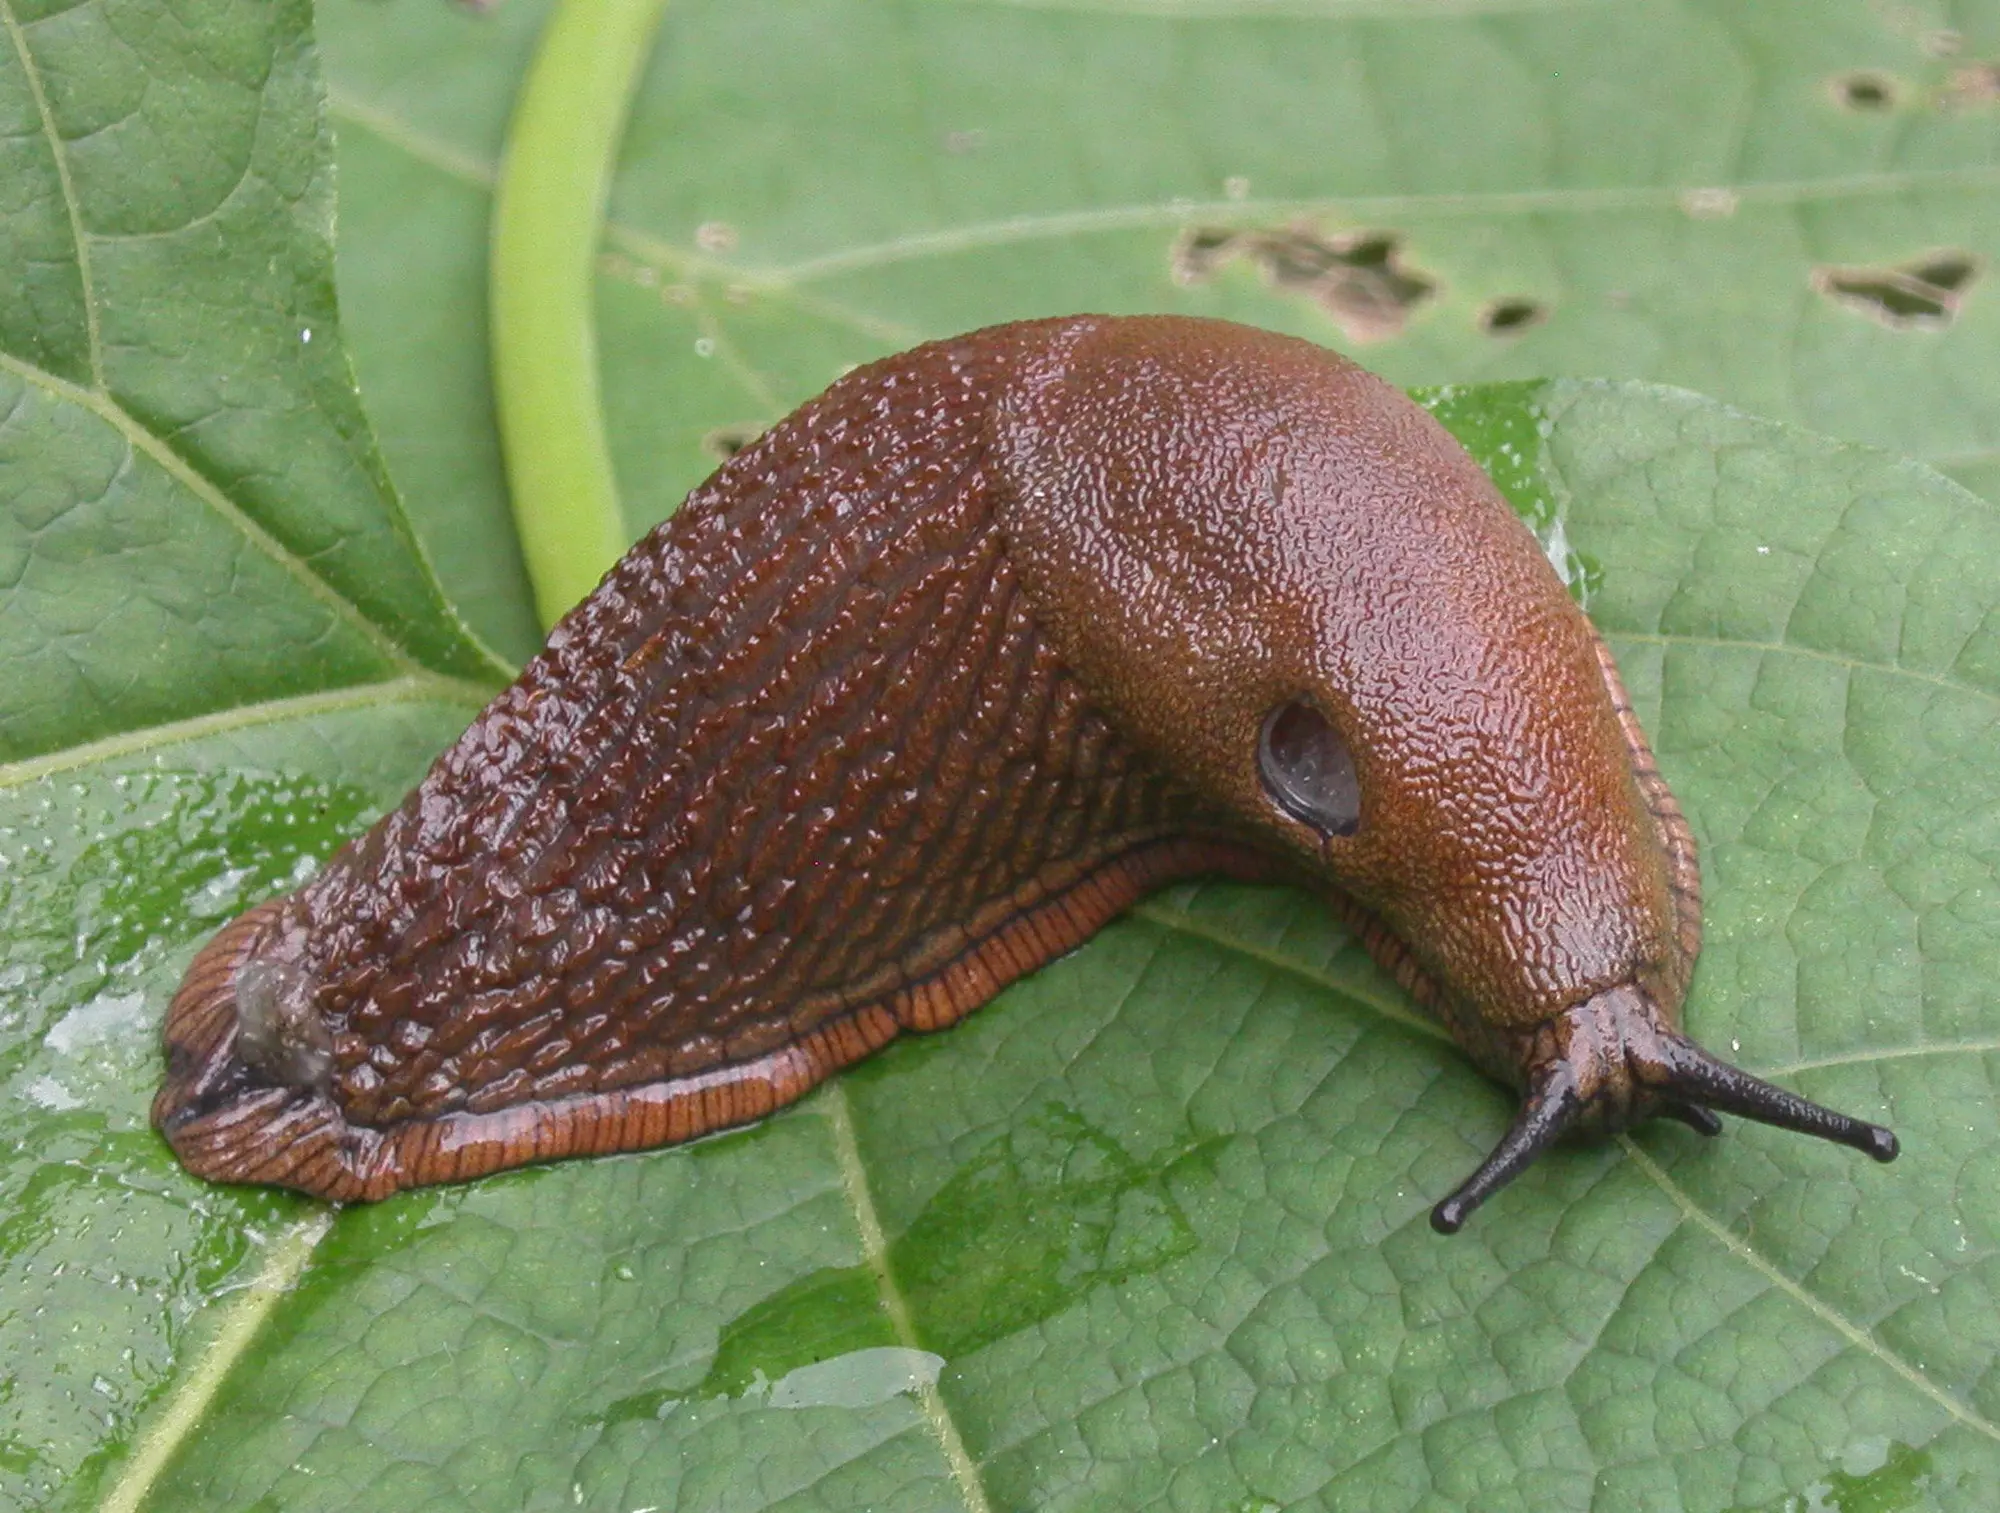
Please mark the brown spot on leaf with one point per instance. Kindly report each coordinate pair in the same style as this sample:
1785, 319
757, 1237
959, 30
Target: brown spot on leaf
1358, 278
1922, 294
1972, 85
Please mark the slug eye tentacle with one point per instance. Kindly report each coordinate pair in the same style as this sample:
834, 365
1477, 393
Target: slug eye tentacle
1612, 1060
1308, 770
1698, 1077
1549, 1109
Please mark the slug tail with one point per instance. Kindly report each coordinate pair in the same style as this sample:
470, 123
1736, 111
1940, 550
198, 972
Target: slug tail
235, 1111
235, 1114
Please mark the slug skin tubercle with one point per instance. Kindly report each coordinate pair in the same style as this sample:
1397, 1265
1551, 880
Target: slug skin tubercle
915, 694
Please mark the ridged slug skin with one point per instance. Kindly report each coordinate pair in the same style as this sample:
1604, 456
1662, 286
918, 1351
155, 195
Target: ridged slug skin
915, 694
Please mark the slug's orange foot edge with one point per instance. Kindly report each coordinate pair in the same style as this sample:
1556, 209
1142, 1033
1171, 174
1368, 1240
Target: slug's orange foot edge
224, 1121
1613, 1061
229, 1122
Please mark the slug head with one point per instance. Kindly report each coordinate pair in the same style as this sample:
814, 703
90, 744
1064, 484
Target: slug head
1289, 586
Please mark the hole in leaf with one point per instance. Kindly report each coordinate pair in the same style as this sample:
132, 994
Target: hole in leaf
1949, 271
1505, 317
1359, 278
1924, 293
1864, 90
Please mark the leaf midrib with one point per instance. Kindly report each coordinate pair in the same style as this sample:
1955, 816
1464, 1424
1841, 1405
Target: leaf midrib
59, 152
412, 688
875, 1255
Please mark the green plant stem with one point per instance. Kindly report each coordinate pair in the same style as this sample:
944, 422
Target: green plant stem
547, 215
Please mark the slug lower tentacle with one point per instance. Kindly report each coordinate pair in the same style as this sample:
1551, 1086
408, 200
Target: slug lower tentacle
916, 693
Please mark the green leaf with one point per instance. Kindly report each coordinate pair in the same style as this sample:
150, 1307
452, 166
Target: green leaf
797, 195
223, 648
1149, 1230
188, 470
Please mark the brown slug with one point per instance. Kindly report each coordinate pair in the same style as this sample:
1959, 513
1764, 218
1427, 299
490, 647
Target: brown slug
916, 693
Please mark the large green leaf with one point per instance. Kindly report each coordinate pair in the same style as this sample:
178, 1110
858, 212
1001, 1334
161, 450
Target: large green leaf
1151, 1228
1148, 1230
810, 184
189, 475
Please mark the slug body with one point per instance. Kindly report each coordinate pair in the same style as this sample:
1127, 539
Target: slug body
915, 694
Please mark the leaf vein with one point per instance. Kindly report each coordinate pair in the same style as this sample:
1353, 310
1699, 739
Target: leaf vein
1170, 214
158, 451
1387, 1007
1870, 1057
181, 1415
1818, 1307
59, 153
411, 689
875, 1249
653, 251
1786, 648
